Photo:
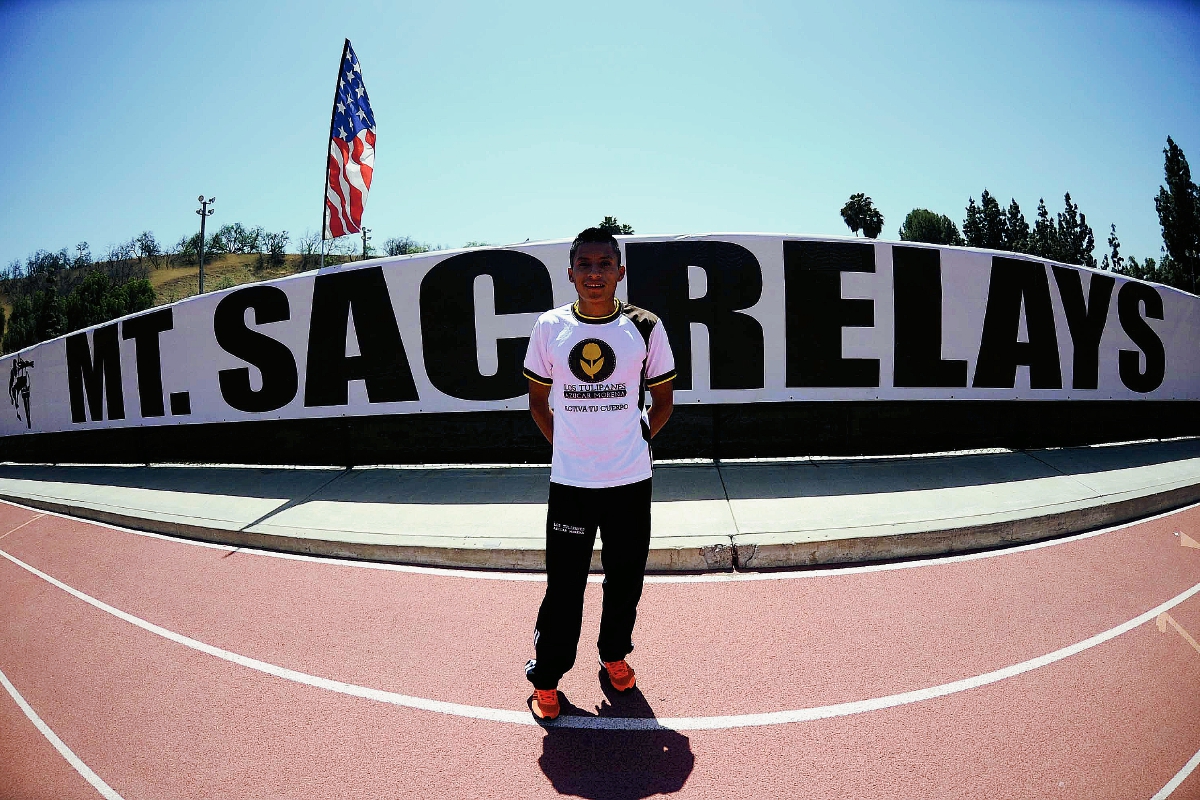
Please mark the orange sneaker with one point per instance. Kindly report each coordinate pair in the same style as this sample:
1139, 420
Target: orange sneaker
544, 703
620, 674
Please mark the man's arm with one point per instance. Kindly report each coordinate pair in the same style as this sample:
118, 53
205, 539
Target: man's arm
662, 403
539, 407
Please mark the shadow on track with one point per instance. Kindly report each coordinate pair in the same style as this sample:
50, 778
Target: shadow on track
615, 764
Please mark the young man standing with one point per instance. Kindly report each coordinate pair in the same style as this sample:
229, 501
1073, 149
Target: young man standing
589, 365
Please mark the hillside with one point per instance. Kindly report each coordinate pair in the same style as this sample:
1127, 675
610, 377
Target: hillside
178, 282
175, 283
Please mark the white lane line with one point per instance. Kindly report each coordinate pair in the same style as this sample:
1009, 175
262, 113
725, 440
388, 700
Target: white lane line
612, 723
540, 577
83, 769
22, 525
1179, 778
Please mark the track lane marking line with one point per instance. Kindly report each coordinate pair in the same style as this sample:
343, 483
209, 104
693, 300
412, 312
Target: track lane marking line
613, 723
540, 577
83, 769
1165, 619
1179, 778
22, 525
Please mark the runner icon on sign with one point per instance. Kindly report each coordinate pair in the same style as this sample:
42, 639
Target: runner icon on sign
18, 385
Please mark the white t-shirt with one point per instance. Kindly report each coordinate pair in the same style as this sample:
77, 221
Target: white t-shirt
598, 369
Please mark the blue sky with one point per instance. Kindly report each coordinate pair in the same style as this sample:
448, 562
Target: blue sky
501, 122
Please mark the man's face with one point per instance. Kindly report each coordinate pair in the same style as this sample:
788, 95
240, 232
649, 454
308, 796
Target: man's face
595, 272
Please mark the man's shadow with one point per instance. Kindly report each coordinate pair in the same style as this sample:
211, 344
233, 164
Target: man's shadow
608, 764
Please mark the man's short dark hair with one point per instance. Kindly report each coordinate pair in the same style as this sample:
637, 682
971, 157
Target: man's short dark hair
597, 235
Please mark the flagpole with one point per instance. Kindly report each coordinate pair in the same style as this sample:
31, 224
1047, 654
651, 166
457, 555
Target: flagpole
332, 117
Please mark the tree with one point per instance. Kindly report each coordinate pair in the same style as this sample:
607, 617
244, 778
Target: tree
226, 237
309, 247
1178, 206
1075, 239
986, 224
51, 315
146, 246
44, 262
1017, 229
121, 252
610, 225
93, 301
275, 244
254, 240
188, 247
404, 245
1148, 270
972, 229
1066, 238
1043, 242
923, 225
83, 255
99, 299
860, 213
235, 237
341, 250
1113, 261
185, 249
21, 330
995, 224
139, 296
36, 317
171, 255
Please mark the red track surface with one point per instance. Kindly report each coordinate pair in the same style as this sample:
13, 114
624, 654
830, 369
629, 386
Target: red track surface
157, 719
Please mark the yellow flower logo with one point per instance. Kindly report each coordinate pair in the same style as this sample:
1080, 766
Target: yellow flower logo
592, 360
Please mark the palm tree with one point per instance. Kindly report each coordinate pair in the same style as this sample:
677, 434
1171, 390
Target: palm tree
860, 213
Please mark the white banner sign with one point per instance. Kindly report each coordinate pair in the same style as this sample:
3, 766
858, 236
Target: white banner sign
751, 318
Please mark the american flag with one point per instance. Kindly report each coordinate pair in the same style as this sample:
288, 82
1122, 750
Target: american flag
351, 151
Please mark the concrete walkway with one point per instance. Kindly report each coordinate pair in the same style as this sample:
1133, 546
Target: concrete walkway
748, 514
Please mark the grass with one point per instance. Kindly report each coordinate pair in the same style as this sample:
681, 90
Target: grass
224, 272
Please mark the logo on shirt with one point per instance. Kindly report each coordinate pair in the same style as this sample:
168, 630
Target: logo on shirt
592, 361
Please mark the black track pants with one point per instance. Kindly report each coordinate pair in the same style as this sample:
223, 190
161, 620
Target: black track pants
622, 513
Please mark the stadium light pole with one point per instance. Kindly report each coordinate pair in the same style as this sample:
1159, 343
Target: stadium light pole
204, 211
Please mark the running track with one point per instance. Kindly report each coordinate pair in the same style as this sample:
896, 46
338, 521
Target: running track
138, 666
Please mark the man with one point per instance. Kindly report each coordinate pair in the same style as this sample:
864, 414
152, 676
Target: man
589, 365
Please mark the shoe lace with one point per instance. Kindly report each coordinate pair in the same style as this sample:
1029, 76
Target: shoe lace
617, 669
546, 696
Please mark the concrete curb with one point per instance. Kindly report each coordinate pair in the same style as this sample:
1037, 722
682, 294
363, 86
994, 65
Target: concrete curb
955, 540
715, 557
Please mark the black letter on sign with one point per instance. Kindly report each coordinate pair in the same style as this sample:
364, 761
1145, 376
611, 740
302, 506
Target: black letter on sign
816, 313
1015, 279
99, 377
658, 282
273, 359
917, 289
382, 363
144, 331
522, 286
1129, 301
1085, 321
